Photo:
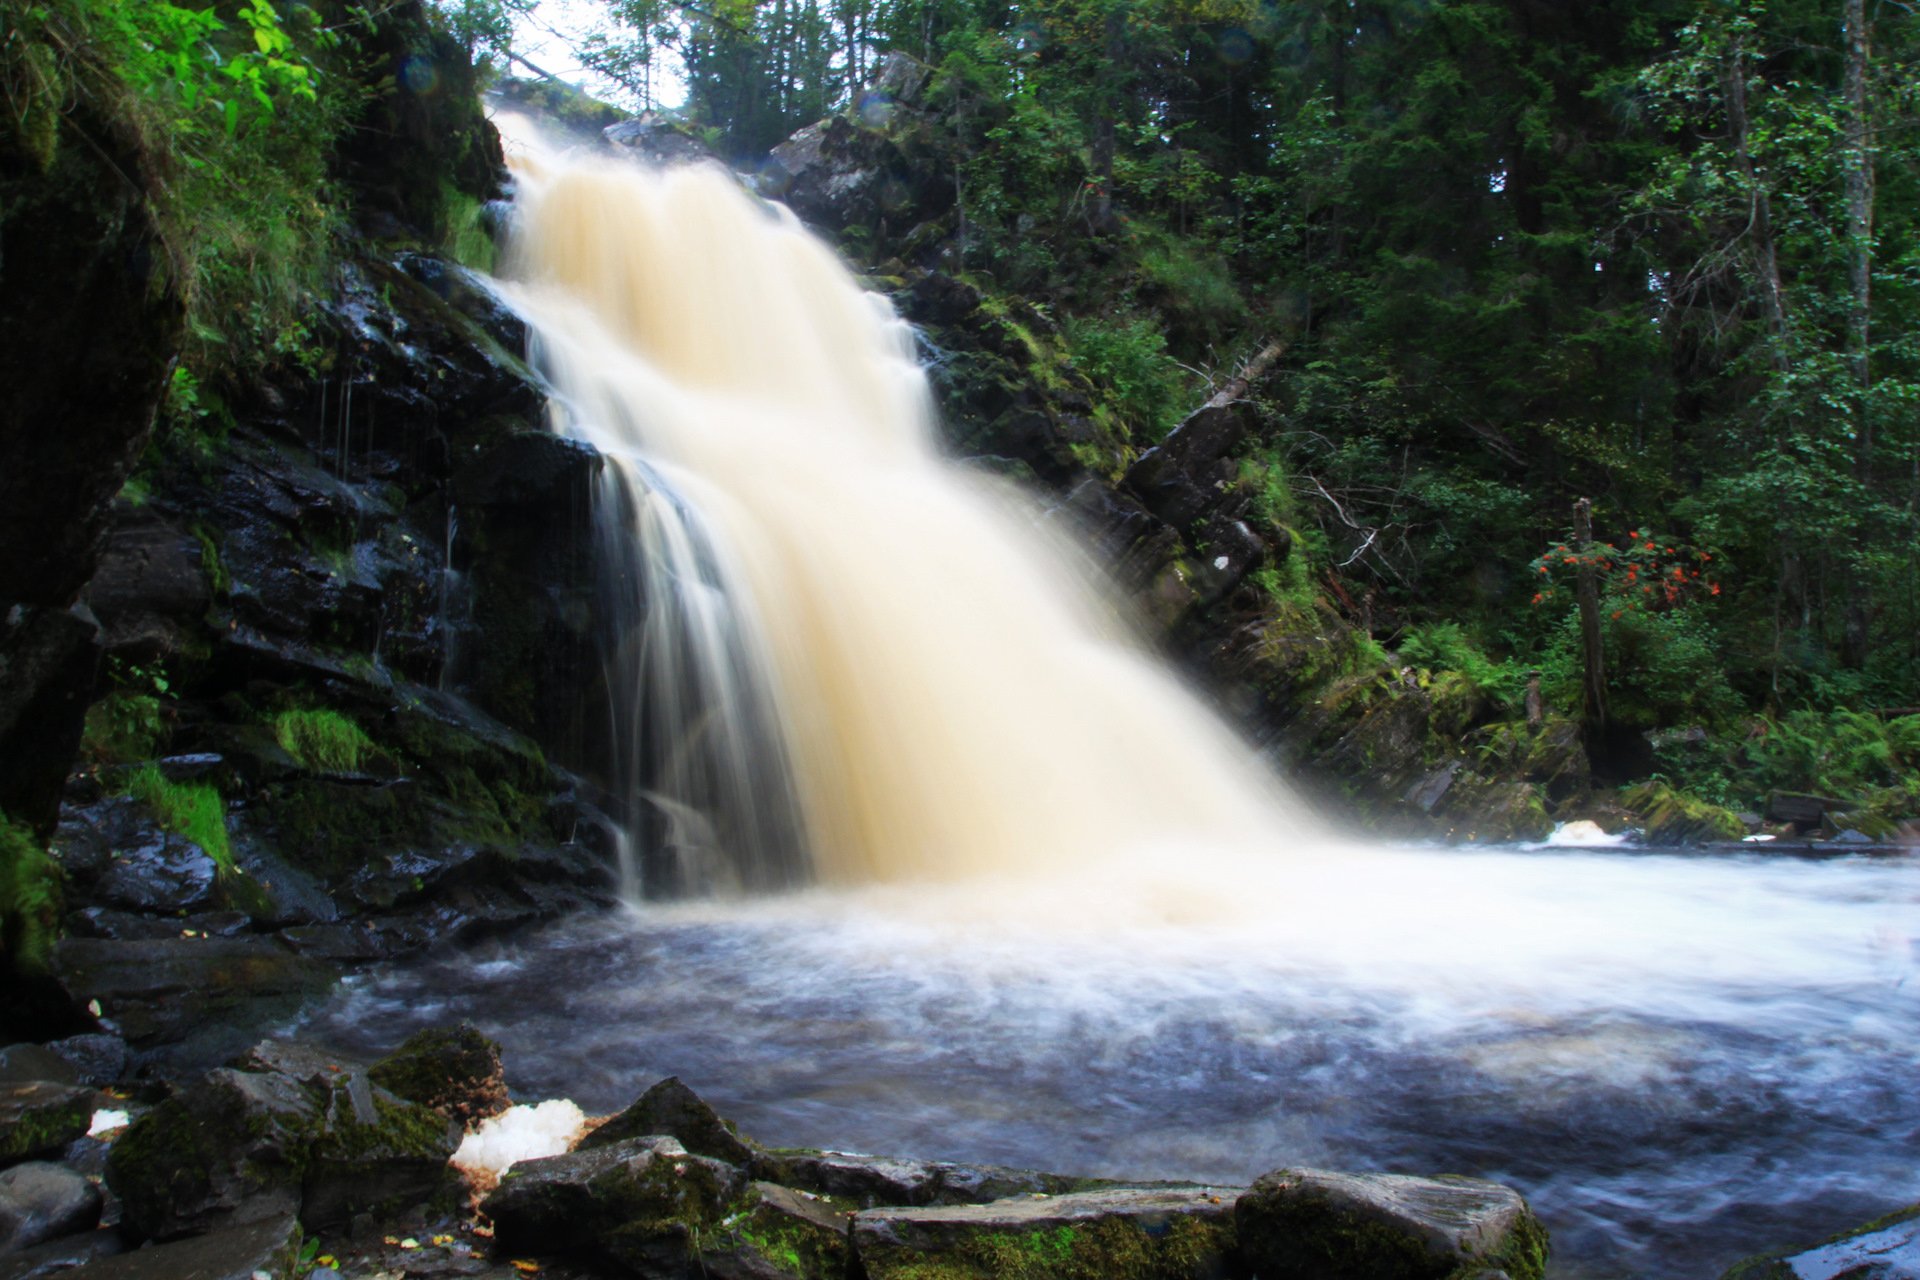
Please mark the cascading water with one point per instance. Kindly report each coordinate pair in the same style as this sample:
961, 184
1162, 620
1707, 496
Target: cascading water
836, 639
1058, 921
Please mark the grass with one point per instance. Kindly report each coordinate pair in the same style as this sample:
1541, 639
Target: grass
191, 810
322, 740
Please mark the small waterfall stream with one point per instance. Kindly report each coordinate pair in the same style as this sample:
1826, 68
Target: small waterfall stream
832, 642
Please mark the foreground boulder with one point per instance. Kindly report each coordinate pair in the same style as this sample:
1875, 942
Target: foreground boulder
643, 1203
456, 1073
270, 1248
285, 1133
1309, 1224
1161, 1233
41, 1116
1885, 1249
41, 1202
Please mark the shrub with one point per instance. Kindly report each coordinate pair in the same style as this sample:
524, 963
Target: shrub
1127, 362
1445, 646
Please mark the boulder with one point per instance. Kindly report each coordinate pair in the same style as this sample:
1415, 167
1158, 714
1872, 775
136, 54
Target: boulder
57, 1259
1309, 1224
639, 1203
456, 1073
867, 1181
39, 1117
230, 1148
41, 1202
164, 991
375, 1153
1885, 1249
269, 1248
151, 590
1159, 1233
776, 1233
671, 1108
22, 1063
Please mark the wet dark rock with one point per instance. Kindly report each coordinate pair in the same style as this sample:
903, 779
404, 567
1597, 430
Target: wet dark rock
671, 1108
48, 656
41, 1202
39, 1117
28, 1062
289, 1130
61, 1257
1799, 809
775, 1233
634, 1203
456, 1073
862, 1180
150, 592
1430, 790
161, 873
1181, 478
162, 991
229, 1148
1306, 1224
270, 1247
1885, 1249
1164, 1232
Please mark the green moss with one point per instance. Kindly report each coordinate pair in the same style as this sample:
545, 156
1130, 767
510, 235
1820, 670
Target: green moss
192, 810
322, 740
1677, 817
1107, 1249
468, 241
29, 897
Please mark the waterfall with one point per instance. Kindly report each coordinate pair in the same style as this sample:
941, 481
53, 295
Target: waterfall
836, 654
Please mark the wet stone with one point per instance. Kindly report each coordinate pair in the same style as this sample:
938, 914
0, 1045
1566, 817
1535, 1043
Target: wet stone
637, 1201
270, 1247
41, 1202
776, 1232
39, 1117
671, 1108
1309, 1224
1158, 1233
58, 1258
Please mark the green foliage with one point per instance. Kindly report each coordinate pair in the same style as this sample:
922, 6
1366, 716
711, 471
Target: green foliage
1445, 646
29, 897
1127, 362
191, 810
322, 739
123, 727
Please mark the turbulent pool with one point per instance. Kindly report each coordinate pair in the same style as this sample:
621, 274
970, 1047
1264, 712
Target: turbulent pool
1678, 1059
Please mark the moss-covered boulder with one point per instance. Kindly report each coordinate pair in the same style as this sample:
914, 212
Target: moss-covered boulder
1309, 1224
1159, 1233
233, 1147
1883, 1249
642, 1203
455, 1072
40, 1116
1667, 816
374, 1153
775, 1231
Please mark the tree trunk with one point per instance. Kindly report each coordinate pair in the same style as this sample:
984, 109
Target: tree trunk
1587, 591
1859, 186
1773, 297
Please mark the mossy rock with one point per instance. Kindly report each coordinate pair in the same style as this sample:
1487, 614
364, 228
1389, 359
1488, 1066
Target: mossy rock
41, 1116
1161, 1233
775, 1231
1860, 1252
455, 1072
375, 1154
671, 1108
1668, 816
1309, 1224
230, 1148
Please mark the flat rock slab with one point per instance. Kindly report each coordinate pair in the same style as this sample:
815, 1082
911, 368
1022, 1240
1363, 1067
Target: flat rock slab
1157, 1233
874, 1181
39, 1117
1311, 1224
160, 991
271, 1247
41, 1202
1892, 1253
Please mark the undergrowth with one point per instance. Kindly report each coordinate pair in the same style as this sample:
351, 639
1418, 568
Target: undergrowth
29, 897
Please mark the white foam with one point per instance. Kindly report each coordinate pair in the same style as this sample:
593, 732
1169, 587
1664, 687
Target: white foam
520, 1133
106, 1122
1583, 833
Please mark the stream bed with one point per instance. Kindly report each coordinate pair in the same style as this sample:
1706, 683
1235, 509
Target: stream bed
1679, 1060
